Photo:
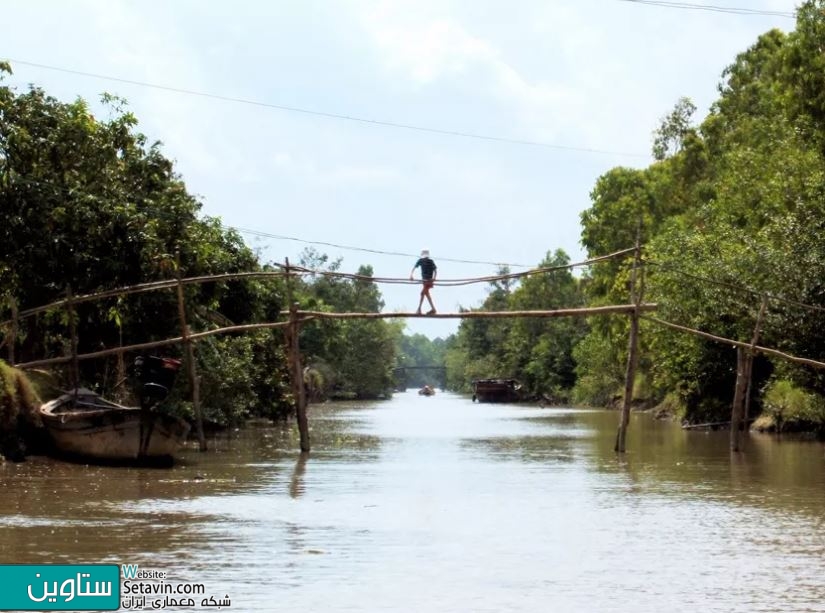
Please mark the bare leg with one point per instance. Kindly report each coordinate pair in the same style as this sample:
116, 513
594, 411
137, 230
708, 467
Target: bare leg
426, 293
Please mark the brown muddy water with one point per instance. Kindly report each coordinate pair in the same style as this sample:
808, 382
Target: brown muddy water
439, 504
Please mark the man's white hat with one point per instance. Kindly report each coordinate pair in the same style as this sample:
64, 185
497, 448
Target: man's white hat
425, 253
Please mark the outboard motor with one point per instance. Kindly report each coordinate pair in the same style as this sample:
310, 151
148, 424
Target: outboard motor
154, 377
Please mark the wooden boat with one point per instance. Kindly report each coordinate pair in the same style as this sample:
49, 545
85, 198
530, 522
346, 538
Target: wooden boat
84, 424
496, 390
426, 391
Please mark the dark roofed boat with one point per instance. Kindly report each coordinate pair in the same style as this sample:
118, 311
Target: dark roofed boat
496, 390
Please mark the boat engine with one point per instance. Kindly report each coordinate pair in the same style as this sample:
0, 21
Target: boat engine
153, 378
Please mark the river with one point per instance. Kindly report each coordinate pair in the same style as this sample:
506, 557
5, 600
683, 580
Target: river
440, 504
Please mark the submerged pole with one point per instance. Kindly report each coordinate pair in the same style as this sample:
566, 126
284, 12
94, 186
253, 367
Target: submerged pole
191, 367
296, 370
632, 350
744, 374
750, 355
738, 400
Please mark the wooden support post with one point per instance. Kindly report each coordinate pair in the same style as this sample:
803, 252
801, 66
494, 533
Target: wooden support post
191, 367
750, 355
632, 349
12, 338
74, 367
744, 371
738, 400
296, 370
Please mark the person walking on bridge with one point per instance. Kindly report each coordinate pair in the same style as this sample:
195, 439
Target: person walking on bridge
428, 273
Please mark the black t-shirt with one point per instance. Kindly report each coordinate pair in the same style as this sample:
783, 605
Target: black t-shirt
428, 267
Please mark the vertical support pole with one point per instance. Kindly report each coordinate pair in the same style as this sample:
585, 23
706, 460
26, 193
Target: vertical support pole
632, 348
297, 372
749, 366
738, 400
191, 367
74, 367
13, 332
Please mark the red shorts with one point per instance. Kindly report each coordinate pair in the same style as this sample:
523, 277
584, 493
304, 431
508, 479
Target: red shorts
428, 283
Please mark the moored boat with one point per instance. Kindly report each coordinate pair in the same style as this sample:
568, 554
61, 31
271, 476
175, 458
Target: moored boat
496, 390
84, 424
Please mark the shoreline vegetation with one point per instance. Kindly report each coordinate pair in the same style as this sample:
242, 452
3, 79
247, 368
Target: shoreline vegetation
729, 216
21, 429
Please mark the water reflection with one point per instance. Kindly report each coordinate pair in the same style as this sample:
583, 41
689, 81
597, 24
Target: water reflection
296, 484
440, 504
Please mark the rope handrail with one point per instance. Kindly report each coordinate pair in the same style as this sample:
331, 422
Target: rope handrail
461, 281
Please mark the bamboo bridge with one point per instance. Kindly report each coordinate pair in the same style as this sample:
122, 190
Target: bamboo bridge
293, 318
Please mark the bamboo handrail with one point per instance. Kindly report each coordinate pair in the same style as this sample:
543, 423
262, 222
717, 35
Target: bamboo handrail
145, 287
576, 312
733, 343
155, 344
293, 270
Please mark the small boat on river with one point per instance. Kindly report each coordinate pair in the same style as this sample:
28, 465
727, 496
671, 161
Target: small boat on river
83, 424
426, 391
496, 390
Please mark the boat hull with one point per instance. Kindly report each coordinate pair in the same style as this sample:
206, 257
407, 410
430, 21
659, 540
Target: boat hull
496, 390
112, 432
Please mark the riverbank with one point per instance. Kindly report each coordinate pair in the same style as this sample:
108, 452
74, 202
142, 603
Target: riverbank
21, 429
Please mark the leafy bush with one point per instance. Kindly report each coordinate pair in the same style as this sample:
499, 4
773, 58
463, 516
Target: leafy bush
790, 408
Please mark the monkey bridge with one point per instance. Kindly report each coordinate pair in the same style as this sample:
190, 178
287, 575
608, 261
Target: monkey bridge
295, 317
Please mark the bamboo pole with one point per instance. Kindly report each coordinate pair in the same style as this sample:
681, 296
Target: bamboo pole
155, 344
171, 283
305, 316
632, 350
147, 287
738, 400
577, 312
191, 367
298, 381
749, 365
297, 372
74, 369
733, 343
12, 338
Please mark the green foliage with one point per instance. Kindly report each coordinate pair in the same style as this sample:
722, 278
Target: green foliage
731, 211
355, 358
89, 204
19, 412
600, 370
537, 351
421, 361
790, 408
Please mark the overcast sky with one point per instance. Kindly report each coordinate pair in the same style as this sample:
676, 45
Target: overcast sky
587, 79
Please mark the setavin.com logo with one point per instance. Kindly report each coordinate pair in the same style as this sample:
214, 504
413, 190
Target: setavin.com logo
60, 587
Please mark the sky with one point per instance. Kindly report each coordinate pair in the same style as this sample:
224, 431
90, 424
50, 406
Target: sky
562, 91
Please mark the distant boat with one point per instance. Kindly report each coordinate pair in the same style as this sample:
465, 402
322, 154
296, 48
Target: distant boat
496, 390
85, 425
426, 391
